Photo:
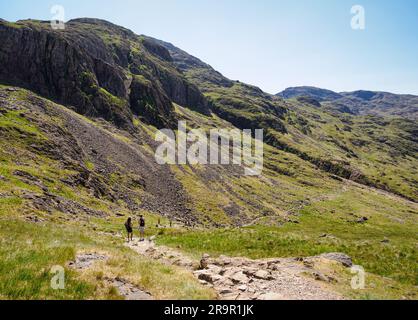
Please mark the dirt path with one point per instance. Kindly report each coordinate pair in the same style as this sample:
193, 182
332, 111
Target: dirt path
246, 279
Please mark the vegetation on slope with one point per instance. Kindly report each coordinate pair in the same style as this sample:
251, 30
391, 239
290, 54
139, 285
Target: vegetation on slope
359, 148
74, 179
36, 233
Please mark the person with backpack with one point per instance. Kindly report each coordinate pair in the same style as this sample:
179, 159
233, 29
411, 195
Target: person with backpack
129, 230
142, 228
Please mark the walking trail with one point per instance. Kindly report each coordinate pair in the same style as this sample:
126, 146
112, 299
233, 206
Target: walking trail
246, 279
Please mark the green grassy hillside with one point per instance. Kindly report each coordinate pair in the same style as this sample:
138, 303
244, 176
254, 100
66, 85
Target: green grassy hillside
77, 159
293, 209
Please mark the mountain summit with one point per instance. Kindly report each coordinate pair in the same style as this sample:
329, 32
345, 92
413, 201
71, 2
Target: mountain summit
361, 101
316, 93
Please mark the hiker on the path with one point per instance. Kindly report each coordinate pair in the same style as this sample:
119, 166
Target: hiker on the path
128, 226
142, 228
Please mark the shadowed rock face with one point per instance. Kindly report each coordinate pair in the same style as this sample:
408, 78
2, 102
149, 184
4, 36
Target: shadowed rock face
47, 63
100, 69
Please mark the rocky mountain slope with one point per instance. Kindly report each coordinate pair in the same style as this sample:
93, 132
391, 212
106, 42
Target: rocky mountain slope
98, 68
79, 109
104, 71
313, 92
360, 102
289, 125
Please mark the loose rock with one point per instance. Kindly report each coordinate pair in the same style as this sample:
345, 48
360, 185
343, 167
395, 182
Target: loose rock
344, 259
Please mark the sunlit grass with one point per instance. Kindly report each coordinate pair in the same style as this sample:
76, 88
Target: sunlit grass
28, 252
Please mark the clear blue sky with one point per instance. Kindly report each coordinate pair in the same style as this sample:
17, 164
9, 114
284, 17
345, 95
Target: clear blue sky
273, 44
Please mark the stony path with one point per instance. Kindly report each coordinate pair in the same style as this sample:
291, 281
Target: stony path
246, 279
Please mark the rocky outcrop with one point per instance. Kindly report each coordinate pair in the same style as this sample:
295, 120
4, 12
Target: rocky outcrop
309, 100
93, 66
44, 61
342, 258
156, 49
146, 100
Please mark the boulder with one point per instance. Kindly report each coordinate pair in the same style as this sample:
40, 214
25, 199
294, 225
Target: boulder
250, 271
208, 276
239, 277
342, 258
225, 291
214, 269
263, 275
242, 288
204, 262
362, 220
224, 282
